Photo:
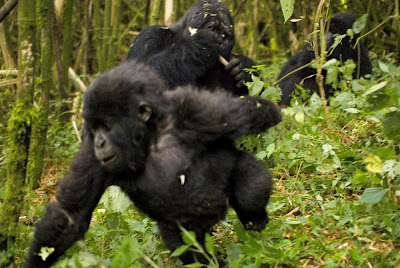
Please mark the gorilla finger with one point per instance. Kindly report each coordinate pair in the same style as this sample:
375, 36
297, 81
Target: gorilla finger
242, 76
237, 70
240, 84
232, 64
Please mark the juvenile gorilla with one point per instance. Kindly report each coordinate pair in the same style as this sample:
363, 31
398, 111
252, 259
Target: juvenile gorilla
172, 152
344, 51
187, 52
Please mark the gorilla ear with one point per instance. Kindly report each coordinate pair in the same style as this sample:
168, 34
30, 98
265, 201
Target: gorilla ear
144, 111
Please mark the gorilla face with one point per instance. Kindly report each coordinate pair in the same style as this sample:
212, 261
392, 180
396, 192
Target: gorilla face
118, 112
214, 16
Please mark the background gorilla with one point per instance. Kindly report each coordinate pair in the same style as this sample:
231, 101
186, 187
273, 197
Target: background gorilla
145, 139
187, 52
344, 51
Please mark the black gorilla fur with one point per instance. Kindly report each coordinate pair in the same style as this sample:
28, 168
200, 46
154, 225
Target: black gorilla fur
187, 52
344, 51
143, 138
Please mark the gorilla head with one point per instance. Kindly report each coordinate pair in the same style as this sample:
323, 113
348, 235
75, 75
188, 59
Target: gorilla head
209, 14
108, 100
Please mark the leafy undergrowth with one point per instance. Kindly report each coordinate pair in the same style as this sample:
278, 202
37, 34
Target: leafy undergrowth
336, 191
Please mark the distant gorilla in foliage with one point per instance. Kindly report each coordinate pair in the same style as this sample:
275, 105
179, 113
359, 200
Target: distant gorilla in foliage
171, 151
188, 51
344, 51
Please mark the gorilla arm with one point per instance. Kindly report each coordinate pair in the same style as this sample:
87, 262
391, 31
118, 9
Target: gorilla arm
67, 218
204, 116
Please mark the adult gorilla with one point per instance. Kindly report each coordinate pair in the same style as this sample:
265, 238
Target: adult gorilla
171, 151
188, 51
344, 51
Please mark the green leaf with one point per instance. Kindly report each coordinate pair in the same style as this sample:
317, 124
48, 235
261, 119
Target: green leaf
330, 63
194, 265
352, 110
299, 117
360, 23
310, 159
115, 200
45, 252
374, 163
256, 87
189, 237
375, 88
287, 8
179, 251
373, 195
391, 125
209, 244
270, 149
261, 155
384, 68
360, 177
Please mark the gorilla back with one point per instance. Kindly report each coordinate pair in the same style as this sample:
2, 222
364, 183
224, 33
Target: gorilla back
187, 52
342, 52
172, 152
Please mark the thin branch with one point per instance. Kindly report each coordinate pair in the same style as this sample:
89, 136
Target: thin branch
294, 71
8, 72
9, 82
6, 9
320, 57
239, 8
76, 78
377, 27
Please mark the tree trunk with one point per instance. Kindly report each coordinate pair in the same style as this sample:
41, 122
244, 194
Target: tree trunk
168, 12
5, 42
19, 124
115, 22
106, 34
66, 57
397, 21
6, 8
39, 130
98, 35
155, 13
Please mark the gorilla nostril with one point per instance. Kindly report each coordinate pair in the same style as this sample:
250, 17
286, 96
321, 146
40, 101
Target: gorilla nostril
99, 140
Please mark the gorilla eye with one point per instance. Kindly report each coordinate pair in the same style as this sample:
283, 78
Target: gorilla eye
107, 124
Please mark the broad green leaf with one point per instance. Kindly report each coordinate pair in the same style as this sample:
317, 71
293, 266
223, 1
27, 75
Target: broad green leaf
270, 149
45, 252
189, 237
310, 159
360, 24
299, 117
375, 88
373, 195
256, 87
261, 155
194, 265
179, 251
209, 244
352, 110
384, 68
296, 137
391, 125
374, 163
287, 8
329, 63
360, 177
327, 148
115, 200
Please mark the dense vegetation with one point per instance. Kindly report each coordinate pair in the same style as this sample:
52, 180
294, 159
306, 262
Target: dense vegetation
337, 170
